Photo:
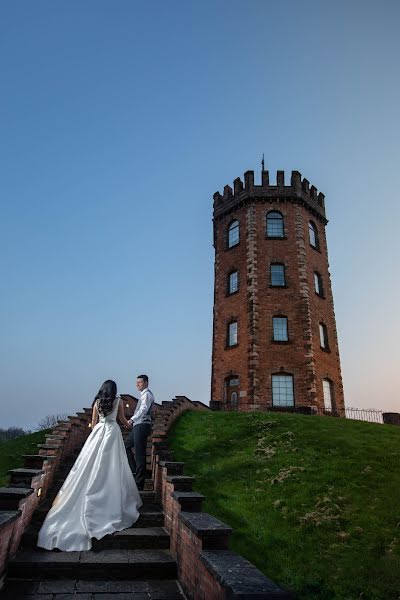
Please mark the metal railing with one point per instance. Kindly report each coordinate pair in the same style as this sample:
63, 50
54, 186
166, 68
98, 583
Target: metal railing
372, 415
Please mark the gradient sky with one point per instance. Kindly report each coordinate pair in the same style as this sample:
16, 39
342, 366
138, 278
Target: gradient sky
118, 122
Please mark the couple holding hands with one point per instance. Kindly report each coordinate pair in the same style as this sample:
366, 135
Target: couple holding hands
100, 495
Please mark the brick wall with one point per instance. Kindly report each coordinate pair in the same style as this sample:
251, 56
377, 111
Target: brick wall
207, 569
28, 485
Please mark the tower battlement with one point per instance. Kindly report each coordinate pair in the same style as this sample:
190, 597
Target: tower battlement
299, 190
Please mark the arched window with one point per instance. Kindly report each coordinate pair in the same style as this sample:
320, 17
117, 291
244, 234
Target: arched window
319, 288
323, 336
233, 282
275, 226
233, 234
232, 334
280, 329
313, 235
327, 387
278, 278
282, 390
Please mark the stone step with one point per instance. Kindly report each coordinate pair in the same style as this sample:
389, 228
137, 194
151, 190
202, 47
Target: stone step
50, 589
58, 482
23, 477
125, 564
134, 538
148, 495
10, 497
151, 514
51, 446
35, 461
173, 467
54, 437
189, 501
182, 483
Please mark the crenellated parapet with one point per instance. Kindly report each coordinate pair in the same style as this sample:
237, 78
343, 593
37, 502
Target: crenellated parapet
298, 191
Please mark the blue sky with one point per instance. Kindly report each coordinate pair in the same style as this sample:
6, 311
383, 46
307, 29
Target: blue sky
118, 122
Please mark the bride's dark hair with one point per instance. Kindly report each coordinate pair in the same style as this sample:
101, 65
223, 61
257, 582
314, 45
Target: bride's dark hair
105, 397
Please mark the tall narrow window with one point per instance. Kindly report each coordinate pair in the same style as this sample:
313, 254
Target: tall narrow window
233, 333
231, 392
328, 395
275, 227
233, 234
233, 282
323, 336
319, 289
280, 329
278, 275
313, 235
282, 390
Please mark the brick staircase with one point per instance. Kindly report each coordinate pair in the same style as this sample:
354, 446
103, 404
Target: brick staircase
173, 551
135, 563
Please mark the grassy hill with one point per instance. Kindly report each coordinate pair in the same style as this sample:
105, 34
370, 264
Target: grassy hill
314, 501
11, 452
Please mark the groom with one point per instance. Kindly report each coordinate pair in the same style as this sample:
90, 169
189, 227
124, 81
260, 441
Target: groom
141, 428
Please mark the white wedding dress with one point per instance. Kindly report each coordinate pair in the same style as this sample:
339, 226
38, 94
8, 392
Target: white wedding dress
98, 497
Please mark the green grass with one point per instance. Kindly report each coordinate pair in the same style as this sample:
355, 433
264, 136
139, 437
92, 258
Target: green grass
314, 501
11, 452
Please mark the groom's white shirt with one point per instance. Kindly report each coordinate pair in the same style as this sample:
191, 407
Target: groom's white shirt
142, 412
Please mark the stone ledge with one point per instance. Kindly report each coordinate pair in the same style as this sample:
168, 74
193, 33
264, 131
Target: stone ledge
8, 516
10, 497
180, 479
189, 501
22, 471
173, 468
187, 496
49, 446
39, 456
11, 492
204, 525
181, 483
241, 579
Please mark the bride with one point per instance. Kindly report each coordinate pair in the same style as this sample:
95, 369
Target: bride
100, 495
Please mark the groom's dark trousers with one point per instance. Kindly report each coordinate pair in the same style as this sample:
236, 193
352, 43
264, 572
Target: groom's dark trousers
137, 439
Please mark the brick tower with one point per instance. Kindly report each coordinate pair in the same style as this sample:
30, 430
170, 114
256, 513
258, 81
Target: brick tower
274, 335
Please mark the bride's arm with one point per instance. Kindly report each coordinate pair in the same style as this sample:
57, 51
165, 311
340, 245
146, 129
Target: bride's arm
95, 415
121, 414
